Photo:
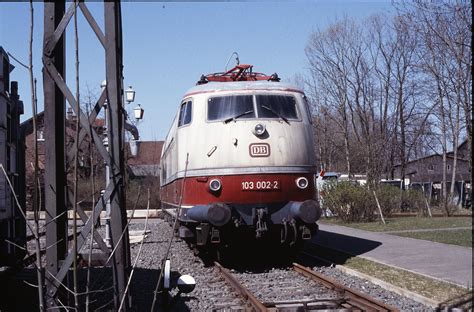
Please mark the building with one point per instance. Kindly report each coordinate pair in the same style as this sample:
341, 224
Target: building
147, 161
426, 173
145, 164
88, 156
12, 176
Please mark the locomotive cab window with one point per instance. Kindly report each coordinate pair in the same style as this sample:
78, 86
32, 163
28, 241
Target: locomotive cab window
185, 113
276, 106
230, 107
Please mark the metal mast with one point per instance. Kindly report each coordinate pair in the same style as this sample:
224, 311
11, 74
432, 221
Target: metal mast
58, 196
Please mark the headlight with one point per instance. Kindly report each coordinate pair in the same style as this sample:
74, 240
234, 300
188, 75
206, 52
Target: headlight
259, 129
215, 185
302, 183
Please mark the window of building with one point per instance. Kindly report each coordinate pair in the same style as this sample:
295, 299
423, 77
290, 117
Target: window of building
430, 168
185, 113
449, 167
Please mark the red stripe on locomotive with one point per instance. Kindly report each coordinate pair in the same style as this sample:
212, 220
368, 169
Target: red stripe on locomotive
196, 189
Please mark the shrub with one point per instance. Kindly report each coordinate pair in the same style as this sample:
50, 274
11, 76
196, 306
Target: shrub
389, 198
143, 184
414, 201
392, 200
350, 202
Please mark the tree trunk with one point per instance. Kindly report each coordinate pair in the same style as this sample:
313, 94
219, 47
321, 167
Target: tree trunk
402, 134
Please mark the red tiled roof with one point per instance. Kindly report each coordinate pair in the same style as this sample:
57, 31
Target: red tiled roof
149, 153
99, 122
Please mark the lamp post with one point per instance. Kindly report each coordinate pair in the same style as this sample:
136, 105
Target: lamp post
129, 95
129, 98
103, 85
138, 112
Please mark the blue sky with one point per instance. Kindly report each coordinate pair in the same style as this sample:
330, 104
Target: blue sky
168, 45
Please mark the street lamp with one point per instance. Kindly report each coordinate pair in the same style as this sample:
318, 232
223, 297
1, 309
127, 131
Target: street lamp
108, 239
138, 112
129, 95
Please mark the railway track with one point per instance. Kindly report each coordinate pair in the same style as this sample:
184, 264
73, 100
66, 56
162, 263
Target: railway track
273, 285
214, 293
297, 289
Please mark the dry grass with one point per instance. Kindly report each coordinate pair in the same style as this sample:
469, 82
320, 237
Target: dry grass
457, 237
460, 237
406, 223
428, 287
425, 286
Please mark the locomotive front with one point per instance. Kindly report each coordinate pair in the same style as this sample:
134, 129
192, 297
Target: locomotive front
239, 159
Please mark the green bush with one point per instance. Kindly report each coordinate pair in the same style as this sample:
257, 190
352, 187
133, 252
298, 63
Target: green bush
350, 202
389, 198
414, 201
392, 200
355, 203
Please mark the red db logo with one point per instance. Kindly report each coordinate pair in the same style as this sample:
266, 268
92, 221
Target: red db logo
259, 150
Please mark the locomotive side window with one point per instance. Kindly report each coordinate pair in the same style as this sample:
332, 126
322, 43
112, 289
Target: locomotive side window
276, 106
185, 113
233, 107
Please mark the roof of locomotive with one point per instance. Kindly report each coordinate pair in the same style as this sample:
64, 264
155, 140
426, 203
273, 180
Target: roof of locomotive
242, 85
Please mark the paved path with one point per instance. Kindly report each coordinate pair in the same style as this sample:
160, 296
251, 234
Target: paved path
441, 261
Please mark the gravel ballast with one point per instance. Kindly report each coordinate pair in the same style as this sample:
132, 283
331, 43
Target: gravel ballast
210, 286
211, 292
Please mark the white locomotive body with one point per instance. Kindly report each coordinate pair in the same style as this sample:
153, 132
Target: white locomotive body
239, 156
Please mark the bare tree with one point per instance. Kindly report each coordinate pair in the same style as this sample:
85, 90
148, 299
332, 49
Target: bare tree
344, 88
328, 85
383, 54
445, 50
36, 196
402, 118
393, 88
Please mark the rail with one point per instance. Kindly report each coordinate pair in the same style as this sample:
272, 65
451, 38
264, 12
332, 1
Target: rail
354, 298
348, 298
242, 290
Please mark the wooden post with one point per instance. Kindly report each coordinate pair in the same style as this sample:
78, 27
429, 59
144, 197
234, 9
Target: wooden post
426, 201
380, 209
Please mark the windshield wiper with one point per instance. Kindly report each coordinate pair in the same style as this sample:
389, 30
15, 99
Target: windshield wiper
276, 114
238, 116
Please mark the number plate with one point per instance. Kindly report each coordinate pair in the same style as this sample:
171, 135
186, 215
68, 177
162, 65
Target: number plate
260, 185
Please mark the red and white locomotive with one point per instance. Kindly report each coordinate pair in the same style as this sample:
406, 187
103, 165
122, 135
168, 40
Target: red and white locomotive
239, 158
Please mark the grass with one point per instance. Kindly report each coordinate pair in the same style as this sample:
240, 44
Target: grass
406, 223
456, 237
460, 237
425, 286
428, 287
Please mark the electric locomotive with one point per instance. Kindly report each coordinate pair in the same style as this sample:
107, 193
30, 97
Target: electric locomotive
239, 160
